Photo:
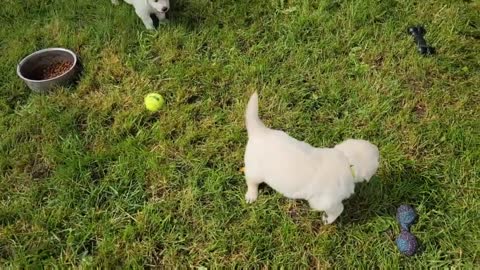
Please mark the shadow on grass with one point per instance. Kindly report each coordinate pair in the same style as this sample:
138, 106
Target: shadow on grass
181, 13
383, 194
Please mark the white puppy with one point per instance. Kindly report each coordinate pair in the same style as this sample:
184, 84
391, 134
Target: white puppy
323, 176
144, 8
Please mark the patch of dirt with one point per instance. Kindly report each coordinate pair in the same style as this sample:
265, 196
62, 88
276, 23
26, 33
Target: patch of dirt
420, 110
38, 168
378, 62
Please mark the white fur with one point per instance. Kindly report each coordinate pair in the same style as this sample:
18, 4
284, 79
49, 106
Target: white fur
144, 8
323, 176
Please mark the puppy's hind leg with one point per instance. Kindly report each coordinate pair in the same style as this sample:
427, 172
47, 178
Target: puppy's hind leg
252, 188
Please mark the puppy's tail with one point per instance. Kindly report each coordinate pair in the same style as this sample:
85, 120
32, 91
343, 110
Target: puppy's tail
254, 124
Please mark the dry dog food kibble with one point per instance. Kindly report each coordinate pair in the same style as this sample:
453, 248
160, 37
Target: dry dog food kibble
55, 70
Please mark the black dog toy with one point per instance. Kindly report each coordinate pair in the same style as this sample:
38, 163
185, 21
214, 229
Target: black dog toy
418, 32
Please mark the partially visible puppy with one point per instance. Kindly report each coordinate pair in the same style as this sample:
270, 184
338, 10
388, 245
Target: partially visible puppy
144, 8
323, 176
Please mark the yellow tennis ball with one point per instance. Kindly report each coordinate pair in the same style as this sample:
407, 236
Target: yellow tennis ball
153, 102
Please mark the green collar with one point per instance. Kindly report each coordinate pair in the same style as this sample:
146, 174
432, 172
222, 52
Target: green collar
352, 171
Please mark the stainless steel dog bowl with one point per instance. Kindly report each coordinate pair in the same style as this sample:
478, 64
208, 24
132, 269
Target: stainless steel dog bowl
32, 67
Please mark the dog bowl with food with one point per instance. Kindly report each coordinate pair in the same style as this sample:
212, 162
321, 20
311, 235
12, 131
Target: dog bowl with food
48, 68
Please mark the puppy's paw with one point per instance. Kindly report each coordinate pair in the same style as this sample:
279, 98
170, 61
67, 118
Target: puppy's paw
250, 197
328, 220
115, 2
150, 27
325, 219
163, 21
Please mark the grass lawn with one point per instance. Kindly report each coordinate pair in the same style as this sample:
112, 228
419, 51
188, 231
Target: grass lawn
88, 178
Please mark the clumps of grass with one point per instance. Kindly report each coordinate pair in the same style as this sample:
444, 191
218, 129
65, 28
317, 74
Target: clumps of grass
89, 179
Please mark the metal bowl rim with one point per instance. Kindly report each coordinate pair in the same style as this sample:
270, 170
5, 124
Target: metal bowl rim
44, 51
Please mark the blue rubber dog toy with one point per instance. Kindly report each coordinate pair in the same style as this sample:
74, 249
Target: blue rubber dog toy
406, 216
406, 242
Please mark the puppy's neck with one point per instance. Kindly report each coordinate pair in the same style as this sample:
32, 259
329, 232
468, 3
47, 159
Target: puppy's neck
352, 171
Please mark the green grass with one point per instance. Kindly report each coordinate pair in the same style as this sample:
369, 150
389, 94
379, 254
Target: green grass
88, 178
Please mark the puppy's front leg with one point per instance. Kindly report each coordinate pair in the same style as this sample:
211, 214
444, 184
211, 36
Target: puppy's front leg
331, 210
115, 2
147, 21
333, 213
162, 18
